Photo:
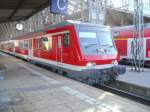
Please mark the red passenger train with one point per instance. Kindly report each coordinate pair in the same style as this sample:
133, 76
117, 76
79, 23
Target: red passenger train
123, 37
79, 50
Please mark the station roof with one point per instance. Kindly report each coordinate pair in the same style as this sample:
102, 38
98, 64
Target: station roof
15, 10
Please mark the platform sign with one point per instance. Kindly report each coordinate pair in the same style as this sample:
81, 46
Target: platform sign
59, 6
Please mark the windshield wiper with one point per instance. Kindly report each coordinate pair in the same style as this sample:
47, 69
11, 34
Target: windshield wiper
110, 46
107, 45
91, 44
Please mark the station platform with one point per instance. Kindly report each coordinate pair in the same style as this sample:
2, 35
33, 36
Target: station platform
28, 88
140, 79
135, 82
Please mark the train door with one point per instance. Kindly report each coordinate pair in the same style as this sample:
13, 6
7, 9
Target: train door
63, 49
59, 50
30, 48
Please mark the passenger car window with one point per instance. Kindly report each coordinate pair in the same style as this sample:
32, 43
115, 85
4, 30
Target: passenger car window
20, 44
116, 34
66, 40
38, 43
30, 44
25, 44
50, 42
45, 42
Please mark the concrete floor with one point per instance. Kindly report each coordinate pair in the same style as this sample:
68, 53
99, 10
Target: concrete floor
141, 79
28, 88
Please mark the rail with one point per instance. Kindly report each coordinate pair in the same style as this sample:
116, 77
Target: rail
125, 94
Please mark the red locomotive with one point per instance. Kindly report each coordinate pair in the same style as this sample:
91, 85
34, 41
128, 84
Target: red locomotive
123, 37
79, 50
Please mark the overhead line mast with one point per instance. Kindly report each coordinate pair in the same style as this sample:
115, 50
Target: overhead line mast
137, 44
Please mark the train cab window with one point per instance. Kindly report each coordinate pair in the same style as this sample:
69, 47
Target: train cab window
66, 40
88, 39
105, 38
45, 42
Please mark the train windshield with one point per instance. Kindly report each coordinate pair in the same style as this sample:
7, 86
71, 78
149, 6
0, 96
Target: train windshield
94, 40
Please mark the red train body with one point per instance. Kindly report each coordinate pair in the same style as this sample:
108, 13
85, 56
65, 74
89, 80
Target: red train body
82, 51
123, 37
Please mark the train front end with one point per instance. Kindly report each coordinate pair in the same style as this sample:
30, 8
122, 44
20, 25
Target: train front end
99, 53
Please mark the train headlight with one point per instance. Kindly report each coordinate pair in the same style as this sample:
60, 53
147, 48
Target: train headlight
90, 64
101, 50
115, 62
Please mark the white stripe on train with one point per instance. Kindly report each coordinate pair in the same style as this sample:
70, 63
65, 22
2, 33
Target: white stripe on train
63, 65
69, 66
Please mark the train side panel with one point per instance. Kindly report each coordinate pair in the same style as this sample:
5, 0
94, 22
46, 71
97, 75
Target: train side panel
121, 45
148, 48
62, 46
124, 47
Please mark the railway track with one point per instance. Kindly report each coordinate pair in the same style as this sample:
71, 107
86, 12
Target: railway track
137, 98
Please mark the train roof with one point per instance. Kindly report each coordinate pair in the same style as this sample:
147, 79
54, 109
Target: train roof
71, 22
147, 25
58, 25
